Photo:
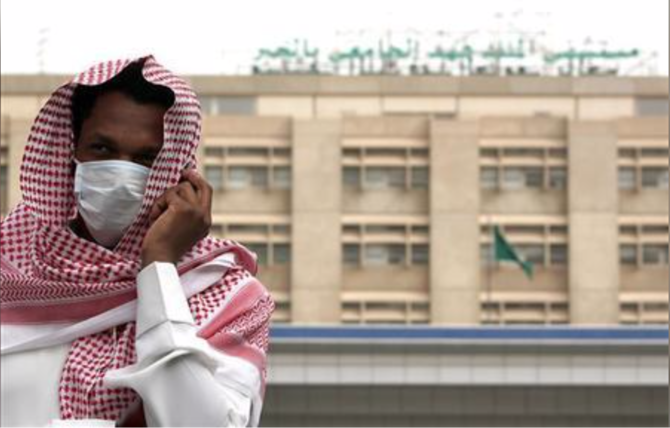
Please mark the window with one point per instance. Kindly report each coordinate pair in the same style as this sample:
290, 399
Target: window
559, 153
523, 152
654, 152
558, 229
259, 176
352, 177
489, 178
533, 253
248, 151
522, 177
559, 254
420, 177
214, 176
655, 229
651, 106
261, 251
486, 256
241, 177
220, 105
655, 177
655, 254
419, 153
420, 254
558, 177
524, 229
384, 254
281, 152
420, 230
384, 177
351, 254
627, 178
281, 229
351, 153
385, 244
385, 168
513, 178
281, 254
627, 153
385, 229
533, 177
216, 152
513, 168
541, 244
628, 254
384, 152
351, 229
248, 228
281, 177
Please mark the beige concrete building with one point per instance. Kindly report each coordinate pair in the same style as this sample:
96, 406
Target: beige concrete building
371, 199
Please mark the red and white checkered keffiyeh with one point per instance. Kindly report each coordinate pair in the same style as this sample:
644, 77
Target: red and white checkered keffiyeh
51, 275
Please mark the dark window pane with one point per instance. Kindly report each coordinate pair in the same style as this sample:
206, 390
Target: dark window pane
384, 254
558, 177
420, 254
655, 177
420, 177
248, 151
281, 177
651, 106
261, 251
223, 105
214, 151
281, 254
384, 177
351, 176
628, 254
351, 254
489, 178
533, 253
655, 254
559, 254
214, 176
627, 178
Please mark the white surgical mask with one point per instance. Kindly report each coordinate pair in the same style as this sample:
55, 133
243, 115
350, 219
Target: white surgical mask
109, 196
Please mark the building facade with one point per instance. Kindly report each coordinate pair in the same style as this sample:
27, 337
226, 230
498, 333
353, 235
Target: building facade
372, 199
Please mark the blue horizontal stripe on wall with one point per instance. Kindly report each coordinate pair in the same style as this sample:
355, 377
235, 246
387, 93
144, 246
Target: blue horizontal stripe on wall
474, 333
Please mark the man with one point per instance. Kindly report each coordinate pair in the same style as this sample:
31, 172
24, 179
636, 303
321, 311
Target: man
116, 305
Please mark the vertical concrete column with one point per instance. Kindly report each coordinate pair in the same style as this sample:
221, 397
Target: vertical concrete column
316, 266
593, 212
18, 135
454, 222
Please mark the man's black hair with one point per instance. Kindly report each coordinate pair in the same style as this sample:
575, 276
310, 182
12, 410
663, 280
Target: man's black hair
130, 82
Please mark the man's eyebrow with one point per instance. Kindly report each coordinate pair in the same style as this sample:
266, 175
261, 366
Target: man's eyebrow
104, 139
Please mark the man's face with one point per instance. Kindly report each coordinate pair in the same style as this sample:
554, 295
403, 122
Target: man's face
119, 128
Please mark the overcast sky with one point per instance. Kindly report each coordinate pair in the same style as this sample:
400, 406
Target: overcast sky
199, 36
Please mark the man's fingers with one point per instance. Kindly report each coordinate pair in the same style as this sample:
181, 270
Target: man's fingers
188, 192
157, 208
202, 188
163, 202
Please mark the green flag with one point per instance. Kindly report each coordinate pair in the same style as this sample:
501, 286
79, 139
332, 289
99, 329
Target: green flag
504, 251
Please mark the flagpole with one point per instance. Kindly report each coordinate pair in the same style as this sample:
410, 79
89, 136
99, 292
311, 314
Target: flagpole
489, 269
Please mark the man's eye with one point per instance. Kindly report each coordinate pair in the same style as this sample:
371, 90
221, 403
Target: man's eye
100, 148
